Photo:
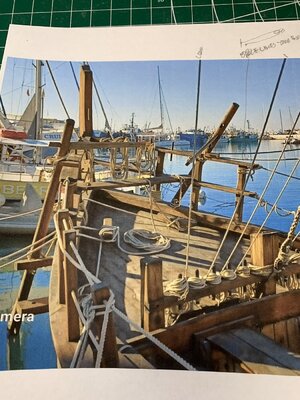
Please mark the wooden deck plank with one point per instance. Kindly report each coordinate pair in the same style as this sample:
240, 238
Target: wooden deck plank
256, 353
265, 344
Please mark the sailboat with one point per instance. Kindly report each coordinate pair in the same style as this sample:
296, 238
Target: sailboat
24, 172
24, 151
158, 134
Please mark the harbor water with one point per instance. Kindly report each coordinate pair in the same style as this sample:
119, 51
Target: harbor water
33, 347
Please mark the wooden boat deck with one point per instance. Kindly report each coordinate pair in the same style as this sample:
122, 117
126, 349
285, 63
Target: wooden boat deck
122, 272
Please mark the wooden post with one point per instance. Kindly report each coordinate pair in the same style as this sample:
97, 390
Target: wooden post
24, 289
110, 359
71, 283
264, 252
61, 214
241, 179
159, 170
205, 150
152, 295
197, 174
66, 138
43, 224
85, 102
50, 197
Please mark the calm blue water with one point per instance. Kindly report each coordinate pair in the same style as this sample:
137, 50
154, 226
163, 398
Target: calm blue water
28, 350
223, 203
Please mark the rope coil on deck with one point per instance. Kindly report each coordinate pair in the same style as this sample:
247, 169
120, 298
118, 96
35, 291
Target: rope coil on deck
91, 311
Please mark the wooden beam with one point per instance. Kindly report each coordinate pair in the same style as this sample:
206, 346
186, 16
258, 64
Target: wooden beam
239, 198
214, 221
81, 145
33, 264
264, 252
34, 306
197, 175
152, 294
159, 171
86, 102
216, 158
128, 182
23, 293
211, 143
66, 138
266, 310
222, 188
71, 283
50, 197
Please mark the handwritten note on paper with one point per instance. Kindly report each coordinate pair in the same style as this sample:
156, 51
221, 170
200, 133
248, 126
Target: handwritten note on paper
265, 42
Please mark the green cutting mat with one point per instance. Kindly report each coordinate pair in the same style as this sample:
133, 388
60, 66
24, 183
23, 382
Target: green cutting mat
83, 13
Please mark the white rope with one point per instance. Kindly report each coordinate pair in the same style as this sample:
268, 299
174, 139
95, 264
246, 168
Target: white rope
93, 279
154, 340
265, 220
9, 256
108, 307
19, 214
131, 237
79, 265
251, 170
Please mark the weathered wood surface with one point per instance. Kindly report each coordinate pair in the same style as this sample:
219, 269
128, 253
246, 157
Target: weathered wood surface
208, 156
33, 264
129, 182
204, 219
121, 272
256, 353
270, 309
34, 306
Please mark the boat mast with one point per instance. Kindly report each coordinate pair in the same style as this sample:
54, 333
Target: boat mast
38, 101
160, 102
281, 124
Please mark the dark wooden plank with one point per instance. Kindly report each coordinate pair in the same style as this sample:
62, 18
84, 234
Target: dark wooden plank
86, 102
223, 188
293, 333
33, 264
239, 200
152, 290
250, 355
264, 252
23, 293
128, 183
205, 219
268, 346
71, 284
280, 333
266, 310
246, 321
80, 145
34, 306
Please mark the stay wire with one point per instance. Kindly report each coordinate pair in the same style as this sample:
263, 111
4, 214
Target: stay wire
250, 172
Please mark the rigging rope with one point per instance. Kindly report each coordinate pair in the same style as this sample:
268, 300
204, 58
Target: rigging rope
250, 169
108, 306
261, 197
20, 214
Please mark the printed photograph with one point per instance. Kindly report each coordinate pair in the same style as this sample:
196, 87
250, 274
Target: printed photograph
149, 215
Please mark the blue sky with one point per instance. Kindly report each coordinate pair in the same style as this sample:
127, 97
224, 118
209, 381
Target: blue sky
132, 87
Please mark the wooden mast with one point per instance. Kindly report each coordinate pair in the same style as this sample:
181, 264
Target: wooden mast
85, 102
